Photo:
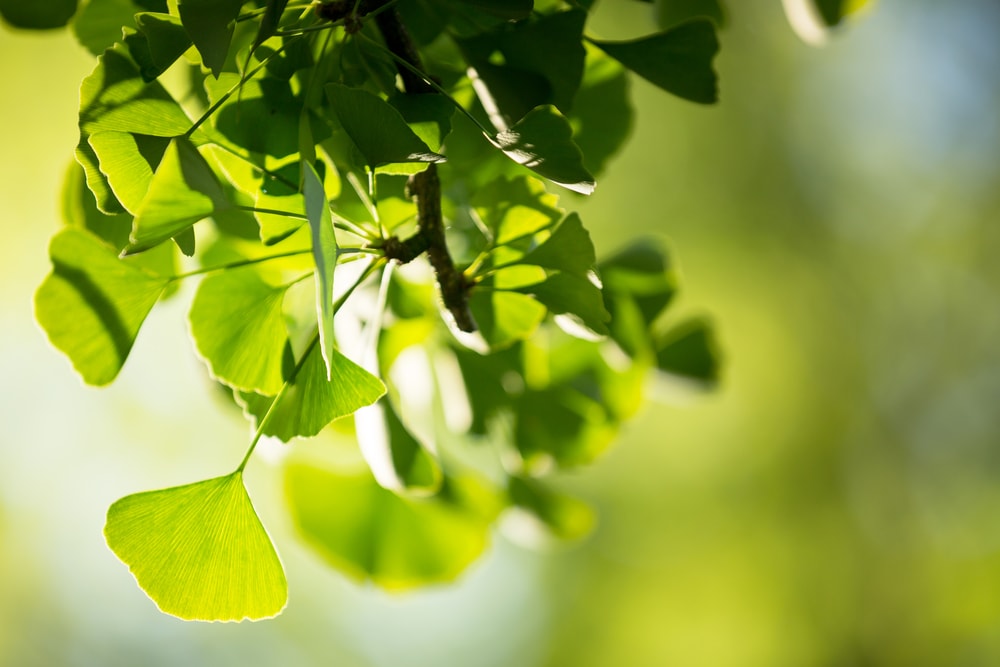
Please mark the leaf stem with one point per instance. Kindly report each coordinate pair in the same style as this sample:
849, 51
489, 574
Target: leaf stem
237, 264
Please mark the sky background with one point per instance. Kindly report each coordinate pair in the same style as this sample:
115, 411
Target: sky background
835, 502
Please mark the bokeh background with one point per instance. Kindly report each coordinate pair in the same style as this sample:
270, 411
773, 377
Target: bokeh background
835, 502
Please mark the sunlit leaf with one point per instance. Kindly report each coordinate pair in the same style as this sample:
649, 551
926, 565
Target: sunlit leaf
428, 115
183, 191
209, 23
99, 23
514, 208
324, 250
311, 401
569, 249
37, 15
505, 317
679, 60
114, 97
237, 326
165, 42
263, 102
369, 532
377, 129
563, 425
542, 141
128, 161
268, 22
199, 551
568, 294
92, 304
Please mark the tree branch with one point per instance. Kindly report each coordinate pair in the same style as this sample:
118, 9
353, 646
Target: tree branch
425, 188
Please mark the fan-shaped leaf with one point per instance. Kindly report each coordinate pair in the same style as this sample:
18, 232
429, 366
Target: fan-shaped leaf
209, 23
689, 350
311, 401
542, 141
371, 533
377, 129
199, 551
679, 60
569, 249
237, 326
93, 304
183, 190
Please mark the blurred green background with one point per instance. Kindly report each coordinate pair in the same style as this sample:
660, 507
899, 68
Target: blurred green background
836, 502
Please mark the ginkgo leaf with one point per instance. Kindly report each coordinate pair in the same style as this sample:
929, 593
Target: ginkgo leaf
199, 551
517, 207
324, 251
563, 516
128, 161
165, 42
311, 401
569, 249
689, 350
377, 128
183, 191
369, 532
210, 23
268, 22
542, 141
92, 304
568, 294
396, 457
37, 15
237, 326
505, 317
678, 60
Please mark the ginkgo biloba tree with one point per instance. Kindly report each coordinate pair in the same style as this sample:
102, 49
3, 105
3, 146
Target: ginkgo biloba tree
368, 193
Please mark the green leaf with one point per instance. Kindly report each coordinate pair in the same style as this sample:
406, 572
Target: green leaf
569, 249
274, 227
128, 161
428, 115
568, 294
833, 12
210, 23
324, 251
561, 425
311, 401
183, 191
670, 13
34, 15
396, 457
199, 551
679, 60
166, 41
99, 24
542, 141
567, 518
639, 282
504, 317
92, 304
114, 97
602, 112
377, 129
238, 329
371, 533
515, 208
264, 102
689, 350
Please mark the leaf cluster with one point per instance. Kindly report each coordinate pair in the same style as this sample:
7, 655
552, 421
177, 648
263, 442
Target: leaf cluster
301, 161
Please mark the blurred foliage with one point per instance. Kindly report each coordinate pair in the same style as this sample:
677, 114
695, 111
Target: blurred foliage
834, 504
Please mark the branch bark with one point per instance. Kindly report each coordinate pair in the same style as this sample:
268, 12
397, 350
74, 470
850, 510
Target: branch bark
425, 188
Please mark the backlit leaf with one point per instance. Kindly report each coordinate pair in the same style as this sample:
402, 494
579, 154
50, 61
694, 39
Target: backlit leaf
397, 459
369, 532
689, 350
670, 13
183, 191
92, 304
199, 551
679, 60
569, 249
237, 326
324, 250
567, 518
568, 294
311, 401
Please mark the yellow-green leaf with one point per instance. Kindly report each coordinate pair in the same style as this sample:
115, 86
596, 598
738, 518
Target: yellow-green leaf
199, 551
